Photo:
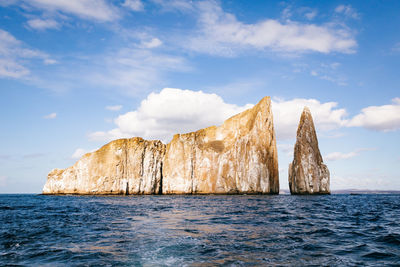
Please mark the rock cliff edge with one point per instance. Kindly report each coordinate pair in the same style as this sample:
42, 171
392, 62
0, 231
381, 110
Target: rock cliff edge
240, 156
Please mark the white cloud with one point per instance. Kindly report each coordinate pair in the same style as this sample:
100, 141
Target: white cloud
307, 12
98, 10
12, 69
79, 152
171, 111
312, 14
49, 61
323, 71
348, 11
114, 108
152, 43
286, 13
175, 5
135, 5
14, 56
7, 2
50, 116
338, 80
221, 33
3, 180
380, 118
7, 40
287, 115
135, 70
9, 53
43, 24
339, 155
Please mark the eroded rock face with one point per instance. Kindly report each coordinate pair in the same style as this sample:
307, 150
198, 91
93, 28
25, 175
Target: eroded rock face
307, 173
238, 157
124, 166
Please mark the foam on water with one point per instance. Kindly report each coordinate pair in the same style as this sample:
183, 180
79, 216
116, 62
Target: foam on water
196, 230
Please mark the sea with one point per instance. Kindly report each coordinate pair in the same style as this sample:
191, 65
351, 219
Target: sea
200, 230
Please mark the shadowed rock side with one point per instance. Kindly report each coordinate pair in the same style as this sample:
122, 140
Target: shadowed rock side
307, 173
124, 166
238, 157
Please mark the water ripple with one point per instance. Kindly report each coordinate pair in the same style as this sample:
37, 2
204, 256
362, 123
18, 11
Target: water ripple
200, 230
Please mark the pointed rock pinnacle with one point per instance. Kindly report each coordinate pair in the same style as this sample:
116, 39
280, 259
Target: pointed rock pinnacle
307, 173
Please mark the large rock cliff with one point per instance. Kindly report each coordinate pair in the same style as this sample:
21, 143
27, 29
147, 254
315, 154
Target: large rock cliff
307, 173
240, 156
124, 166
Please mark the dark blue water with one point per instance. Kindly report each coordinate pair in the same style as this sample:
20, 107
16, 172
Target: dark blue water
200, 230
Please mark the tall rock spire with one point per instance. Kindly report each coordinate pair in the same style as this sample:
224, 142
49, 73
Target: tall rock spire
307, 173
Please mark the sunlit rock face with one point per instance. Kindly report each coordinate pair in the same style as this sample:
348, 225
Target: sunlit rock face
240, 156
307, 173
124, 166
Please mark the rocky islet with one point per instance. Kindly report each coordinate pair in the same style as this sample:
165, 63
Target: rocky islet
307, 173
238, 157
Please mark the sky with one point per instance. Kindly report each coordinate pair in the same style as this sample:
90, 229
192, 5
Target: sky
76, 74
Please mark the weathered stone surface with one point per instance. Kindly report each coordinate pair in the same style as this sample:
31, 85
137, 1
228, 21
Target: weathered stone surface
123, 166
307, 173
238, 157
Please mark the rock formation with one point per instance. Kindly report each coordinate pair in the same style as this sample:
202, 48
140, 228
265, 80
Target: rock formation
240, 156
124, 166
307, 173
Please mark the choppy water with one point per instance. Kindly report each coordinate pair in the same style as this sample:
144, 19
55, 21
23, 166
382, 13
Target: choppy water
200, 230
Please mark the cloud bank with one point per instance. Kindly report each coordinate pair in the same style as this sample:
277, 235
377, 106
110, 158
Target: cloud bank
287, 115
99, 10
221, 33
172, 111
380, 118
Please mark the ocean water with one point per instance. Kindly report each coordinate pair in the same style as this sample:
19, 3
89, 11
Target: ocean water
243, 230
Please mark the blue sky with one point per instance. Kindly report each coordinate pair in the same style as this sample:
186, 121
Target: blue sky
75, 74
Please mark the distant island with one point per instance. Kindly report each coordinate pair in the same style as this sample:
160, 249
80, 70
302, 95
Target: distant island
238, 157
364, 191
352, 192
